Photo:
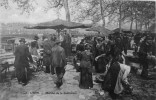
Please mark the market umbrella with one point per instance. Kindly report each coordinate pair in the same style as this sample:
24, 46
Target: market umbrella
118, 30
100, 29
126, 30
58, 25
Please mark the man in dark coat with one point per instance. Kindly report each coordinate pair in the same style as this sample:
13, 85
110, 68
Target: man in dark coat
145, 49
119, 43
47, 46
67, 43
59, 62
125, 43
22, 58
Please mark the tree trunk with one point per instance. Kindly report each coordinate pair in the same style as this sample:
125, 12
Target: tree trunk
131, 19
141, 21
136, 22
136, 25
141, 24
120, 21
67, 10
131, 25
67, 14
102, 14
0, 36
146, 26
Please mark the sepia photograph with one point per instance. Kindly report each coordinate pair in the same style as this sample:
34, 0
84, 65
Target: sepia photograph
77, 50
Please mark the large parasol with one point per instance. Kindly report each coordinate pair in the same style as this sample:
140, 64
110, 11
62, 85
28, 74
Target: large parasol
100, 29
58, 25
118, 30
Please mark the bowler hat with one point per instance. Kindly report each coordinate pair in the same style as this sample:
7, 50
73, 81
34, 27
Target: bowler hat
22, 40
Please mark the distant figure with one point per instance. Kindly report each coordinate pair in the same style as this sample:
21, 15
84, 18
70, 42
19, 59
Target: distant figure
125, 43
22, 59
47, 46
34, 46
58, 62
66, 44
144, 52
40, 42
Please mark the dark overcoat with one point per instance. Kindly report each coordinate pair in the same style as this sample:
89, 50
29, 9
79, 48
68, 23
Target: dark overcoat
47, 46
21, 63
58, 56
22, 56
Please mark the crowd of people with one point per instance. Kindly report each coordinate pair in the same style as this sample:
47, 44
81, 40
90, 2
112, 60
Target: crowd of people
52, 52
109, 56
100, 54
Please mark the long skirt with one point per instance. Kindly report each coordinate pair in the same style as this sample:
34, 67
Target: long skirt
86, 80
47, 63
144, 62
101, 65
114, 71
111, 79
60, 71
22, 74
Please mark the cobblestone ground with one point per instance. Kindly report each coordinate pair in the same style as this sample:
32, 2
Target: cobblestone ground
42, 87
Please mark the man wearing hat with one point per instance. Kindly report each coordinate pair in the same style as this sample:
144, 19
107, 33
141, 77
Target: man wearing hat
125, 43
21, 63
145, 49
47, 45
67, 43
58, 62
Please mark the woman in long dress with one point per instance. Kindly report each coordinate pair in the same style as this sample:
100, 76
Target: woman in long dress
116, 78
86, 81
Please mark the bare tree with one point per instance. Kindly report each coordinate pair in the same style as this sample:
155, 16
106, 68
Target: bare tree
4, 3
142, 12
67, 10
102, 14
59, 4
26, 6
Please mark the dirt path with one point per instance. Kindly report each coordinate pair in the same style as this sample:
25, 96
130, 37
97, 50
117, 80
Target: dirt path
42, 87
